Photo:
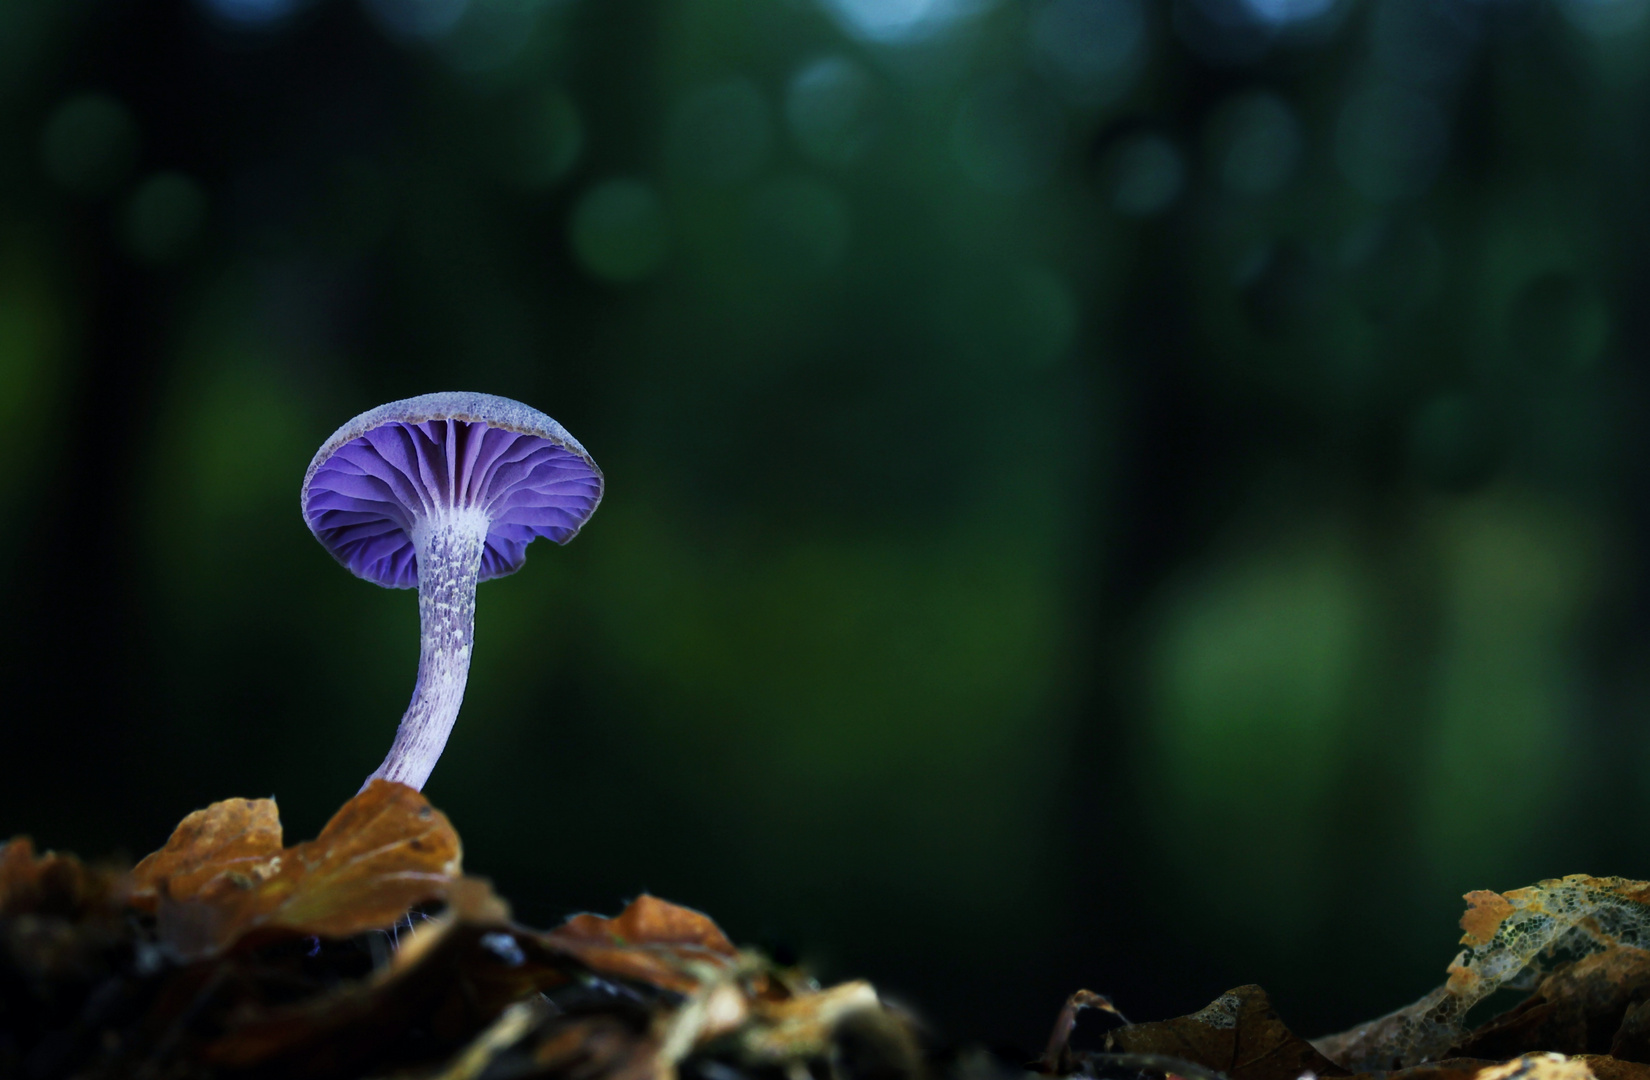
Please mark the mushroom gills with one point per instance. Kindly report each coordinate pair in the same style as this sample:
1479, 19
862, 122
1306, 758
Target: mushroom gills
440, 492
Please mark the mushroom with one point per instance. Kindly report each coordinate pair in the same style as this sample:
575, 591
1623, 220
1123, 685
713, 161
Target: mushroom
443, 491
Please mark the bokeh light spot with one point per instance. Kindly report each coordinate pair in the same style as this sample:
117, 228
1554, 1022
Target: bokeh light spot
491, 34
829, 106
799, 226
35, 366
1253, 680
164, 215
1147, 175
1396, 267
1255, 142
1049, 314
543, 141
1008, 135
1557, 324
89, 144
252, 14
1283, 12
721, 134
1504, 688
1453, 443
1091, 47
618, 231
901, 22
1606, 18
1421, 43
1390, 143
417, 19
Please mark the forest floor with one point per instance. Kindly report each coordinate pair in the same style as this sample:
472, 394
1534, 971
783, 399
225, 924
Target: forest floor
367, 952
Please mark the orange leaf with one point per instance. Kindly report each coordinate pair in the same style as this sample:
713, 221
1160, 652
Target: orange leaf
52, 883
1485, 913
651, 941
232, 836
384, 851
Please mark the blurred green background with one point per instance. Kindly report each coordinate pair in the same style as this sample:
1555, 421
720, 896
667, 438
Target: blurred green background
1138, 494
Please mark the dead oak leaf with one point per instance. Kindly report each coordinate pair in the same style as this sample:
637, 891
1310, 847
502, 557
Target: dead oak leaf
384, 851
652, 941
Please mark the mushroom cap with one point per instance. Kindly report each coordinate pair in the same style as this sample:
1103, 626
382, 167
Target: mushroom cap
394, 467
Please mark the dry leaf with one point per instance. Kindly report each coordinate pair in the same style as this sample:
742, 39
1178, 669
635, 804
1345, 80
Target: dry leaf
1238, 1035
1484, 915
1539, 1067
52, 884
651, 941
1614, 1068
1578, 1009
386, 850
1055, 1057
229, 837
449, 980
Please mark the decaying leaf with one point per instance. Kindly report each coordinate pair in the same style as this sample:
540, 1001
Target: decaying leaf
1579, 1009
226, 955
651, 941
450, 979
1539, 1067
52, 884
1055, 1057
1614, 1068
802, 1027
1505, 934
842, 1031
385, 851
1238, 1035
1485, 913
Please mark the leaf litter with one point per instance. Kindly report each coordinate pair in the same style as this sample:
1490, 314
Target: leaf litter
369, 953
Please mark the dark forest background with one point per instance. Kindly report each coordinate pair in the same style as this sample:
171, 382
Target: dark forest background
1131, 494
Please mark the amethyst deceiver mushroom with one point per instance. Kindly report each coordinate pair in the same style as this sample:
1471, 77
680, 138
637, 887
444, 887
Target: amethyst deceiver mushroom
443, 491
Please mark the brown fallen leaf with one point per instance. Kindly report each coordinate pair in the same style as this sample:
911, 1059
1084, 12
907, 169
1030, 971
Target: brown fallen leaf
804, 1026
651, 941
385, 851
1503, 934
233, 836
450, 979
591, 1047
1632, 1041
843, 1031
53, 884
1055, 1059
1541, 1066
1451, 1068
1578, 1009
1613, 1068
1238, 1035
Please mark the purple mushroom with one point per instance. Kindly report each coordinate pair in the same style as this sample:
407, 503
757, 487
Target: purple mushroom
440, 492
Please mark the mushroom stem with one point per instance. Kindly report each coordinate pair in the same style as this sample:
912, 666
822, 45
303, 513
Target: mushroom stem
449, 545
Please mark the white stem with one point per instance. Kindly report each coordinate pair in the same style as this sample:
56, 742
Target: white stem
449, 545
